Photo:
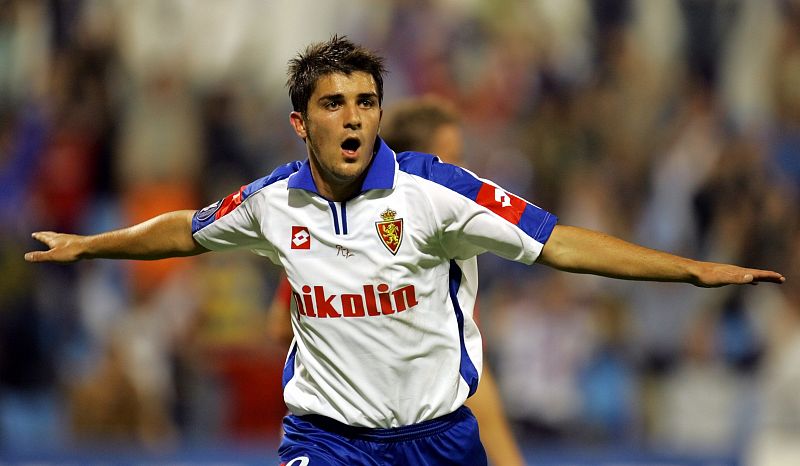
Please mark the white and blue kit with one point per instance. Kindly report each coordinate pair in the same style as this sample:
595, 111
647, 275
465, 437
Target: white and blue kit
384, 284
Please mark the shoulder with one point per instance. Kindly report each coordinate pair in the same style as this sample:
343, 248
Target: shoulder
416, 163
430, 168
244, 196
281, 173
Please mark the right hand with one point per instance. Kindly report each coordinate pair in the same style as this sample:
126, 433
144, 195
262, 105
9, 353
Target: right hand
62, 247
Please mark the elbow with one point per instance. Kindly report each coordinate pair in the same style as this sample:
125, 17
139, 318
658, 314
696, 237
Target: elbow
553, 255
196, 248
559, 251
189, 247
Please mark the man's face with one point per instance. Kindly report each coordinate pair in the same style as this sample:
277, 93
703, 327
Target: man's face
340, 127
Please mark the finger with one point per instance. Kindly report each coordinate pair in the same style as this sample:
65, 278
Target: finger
43, 236
35, 256
771, 279
768, 276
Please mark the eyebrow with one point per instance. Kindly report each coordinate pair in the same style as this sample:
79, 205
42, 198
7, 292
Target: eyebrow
340, 96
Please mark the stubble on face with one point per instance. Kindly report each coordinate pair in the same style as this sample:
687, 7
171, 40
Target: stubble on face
340, 128
332, 172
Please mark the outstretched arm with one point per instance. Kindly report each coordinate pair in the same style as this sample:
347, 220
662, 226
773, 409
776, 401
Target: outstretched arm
167, 235
574, 249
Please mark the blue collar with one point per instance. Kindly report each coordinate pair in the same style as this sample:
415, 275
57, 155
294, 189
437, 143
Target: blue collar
380, 174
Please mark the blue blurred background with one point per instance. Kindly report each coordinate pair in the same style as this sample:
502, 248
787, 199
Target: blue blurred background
672, 123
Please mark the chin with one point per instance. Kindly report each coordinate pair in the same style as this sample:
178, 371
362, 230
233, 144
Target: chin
349, 175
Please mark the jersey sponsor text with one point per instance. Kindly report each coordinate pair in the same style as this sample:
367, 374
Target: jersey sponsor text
373, 301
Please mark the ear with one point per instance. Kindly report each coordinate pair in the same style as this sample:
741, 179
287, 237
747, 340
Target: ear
299, 124
380, 118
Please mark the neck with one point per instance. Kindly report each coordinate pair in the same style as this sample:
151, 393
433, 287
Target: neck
338, 193
334, 188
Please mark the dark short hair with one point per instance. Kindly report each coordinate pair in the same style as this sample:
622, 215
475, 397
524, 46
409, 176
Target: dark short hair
411, 124
337, 55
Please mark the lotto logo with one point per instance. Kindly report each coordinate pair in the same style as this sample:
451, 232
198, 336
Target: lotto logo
301, 238
501, 197
504, 204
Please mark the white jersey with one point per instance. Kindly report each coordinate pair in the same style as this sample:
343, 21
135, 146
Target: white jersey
383, 284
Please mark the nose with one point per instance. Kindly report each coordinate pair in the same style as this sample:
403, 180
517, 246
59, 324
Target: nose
352, 117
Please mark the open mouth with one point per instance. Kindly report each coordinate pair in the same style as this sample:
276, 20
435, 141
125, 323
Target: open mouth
351, 145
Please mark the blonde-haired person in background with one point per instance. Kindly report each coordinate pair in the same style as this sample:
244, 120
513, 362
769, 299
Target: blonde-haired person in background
431, 124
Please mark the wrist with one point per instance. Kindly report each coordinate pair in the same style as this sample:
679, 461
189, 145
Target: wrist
82, 247
693, 272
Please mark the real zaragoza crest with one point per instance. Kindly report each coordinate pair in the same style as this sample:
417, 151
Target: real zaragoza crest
390, 230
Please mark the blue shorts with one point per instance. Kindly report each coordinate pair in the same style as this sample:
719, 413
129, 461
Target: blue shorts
452, 439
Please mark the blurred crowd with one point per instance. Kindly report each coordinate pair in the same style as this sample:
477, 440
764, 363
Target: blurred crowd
674, 124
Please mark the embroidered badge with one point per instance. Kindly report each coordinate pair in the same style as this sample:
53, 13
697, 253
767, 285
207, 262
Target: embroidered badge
390, 230
206, 212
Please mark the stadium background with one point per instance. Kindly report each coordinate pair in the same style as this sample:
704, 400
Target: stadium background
672, 123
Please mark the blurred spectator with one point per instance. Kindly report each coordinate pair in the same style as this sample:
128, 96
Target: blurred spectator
702, 404
129, 395
776, 440
546, 346
231, 352
611, 398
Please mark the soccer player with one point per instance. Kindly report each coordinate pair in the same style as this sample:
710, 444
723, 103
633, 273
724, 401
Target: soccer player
374, 245
431, 125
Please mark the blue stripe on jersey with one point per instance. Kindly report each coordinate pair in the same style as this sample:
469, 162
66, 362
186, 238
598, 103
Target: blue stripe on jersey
204, 217
536, 222
343, 211
344, 218
288, 368
467, 369
335, 217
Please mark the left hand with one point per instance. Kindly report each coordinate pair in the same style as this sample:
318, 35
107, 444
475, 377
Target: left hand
711, 275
